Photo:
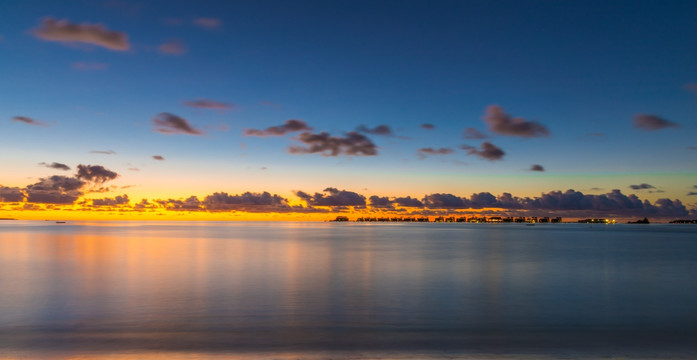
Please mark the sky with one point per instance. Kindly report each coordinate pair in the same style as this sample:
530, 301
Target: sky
277, 110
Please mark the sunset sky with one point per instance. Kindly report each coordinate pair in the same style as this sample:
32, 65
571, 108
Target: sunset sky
287, 110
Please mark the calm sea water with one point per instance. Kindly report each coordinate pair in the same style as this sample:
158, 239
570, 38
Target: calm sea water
559, 290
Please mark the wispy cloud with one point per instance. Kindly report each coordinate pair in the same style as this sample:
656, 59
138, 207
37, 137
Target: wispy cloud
472, 133
55, 165
353, 144
208, 23
65, 31
173, 47
96, 173
158, 157
28, 120
501, 123
427, 126
280, 130
209, 104
642, 187
537, 167
431, 151
88, 66
652, 123
378, 130
103, 152
489, 151
167, 123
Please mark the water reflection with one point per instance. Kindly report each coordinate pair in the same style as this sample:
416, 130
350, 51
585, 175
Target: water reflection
319, 286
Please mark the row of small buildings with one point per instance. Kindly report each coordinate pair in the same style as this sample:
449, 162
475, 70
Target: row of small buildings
473, 219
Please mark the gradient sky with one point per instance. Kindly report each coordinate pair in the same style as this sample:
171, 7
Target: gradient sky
599, 95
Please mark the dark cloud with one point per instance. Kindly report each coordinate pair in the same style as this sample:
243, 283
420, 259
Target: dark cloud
191, 203
431, 151
641, 187
55, 165
88, 66
408, 202
249, 202
352, 144
332, 197
378, 130
489, 151
55, 190
472, 133
119, 200
173, 47
288, 127
501, 123
380, 202
208, 23
691, 193
11, 194
158, 157
692, 148
95, 173
536, 167
209, 104
28, 120
427, 126
167, 123
445, 201
64, 31
652, 122
104, 152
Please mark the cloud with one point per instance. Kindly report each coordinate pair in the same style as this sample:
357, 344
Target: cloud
378, 130
489, 151
352, 144
536, 167
250, 202
652, 123
55, 165
87, 66
64, 31
11, 194
333, 197
280, 130
191, 203
158, 157
691, 87
28, 120
167, 123
427, 126
501, 123
209, 104
95, 173
208, 23
692, 148
119, 200
55, 190
380, 202
641, 187
444, 201
103, 152
173, 47
472, 133
431, 151
691, 193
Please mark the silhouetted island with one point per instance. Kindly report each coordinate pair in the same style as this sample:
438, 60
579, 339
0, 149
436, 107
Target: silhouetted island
644, 221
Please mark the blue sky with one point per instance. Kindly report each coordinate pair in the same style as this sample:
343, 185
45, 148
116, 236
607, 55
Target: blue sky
582, 70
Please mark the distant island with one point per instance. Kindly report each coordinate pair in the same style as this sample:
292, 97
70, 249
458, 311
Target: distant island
7, 219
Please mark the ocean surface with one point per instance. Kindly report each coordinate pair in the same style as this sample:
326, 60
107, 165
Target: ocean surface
291, 290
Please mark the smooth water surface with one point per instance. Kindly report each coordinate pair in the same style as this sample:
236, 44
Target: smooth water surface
195, 287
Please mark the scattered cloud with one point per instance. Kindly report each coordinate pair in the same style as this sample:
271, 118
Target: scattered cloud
280, 130
692, 148
652, 123
87, 66
28, 120
158, 157
641, 187
64, 31
352, 144
167, 123
103, 152
489, 151
191, 203
378, 130
431, 151
208, 23
332, 197
95, 173
501, 123
209, 104
472, 133
250, 202
536, 167
119, 200
691, 193
173, 47
55, 190
11, 194
55, 165
427, 126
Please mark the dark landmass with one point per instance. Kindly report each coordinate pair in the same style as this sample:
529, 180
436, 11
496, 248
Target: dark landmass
644, 221
7, 219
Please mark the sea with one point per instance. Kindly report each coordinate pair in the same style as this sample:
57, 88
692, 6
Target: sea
345, 290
